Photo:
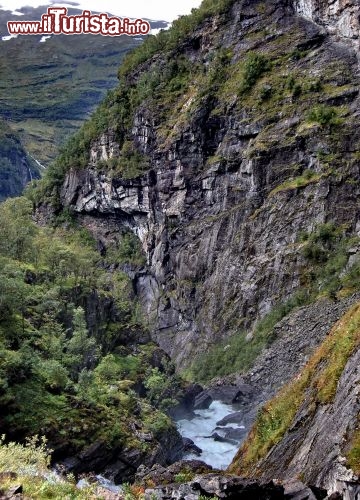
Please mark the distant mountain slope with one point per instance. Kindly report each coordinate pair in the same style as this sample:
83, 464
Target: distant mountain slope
47, 89
16, 167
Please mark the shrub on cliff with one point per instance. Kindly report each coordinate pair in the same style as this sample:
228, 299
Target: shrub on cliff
28, 465
324, 115
254, 67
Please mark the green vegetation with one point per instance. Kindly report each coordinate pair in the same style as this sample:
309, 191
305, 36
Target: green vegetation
30, 466
317, 383
308, 177
62, 374
160, 387
171, 39
184, 477
297, 91
265, 92
326, 250
255, 66
238, 353
127, 250
31, 458
131, 163
353, 453
320, 242
324, 115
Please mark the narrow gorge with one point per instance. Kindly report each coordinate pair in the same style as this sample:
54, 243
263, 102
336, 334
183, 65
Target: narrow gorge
219, 185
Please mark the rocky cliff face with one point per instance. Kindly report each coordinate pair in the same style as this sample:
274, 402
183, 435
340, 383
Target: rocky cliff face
318, 444
338, 16
235, 177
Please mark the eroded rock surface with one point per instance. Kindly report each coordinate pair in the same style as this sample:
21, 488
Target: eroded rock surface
338, 16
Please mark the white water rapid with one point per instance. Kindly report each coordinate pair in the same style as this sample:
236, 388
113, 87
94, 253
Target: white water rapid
200, 429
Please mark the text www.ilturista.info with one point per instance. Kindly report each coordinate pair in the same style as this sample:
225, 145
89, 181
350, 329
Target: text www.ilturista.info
57, 22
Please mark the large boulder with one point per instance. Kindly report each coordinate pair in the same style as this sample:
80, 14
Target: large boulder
185, 407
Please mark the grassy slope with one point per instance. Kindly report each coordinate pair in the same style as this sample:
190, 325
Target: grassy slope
317, 382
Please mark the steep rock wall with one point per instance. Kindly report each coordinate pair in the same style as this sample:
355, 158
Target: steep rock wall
316, 444
219, 225
341, 17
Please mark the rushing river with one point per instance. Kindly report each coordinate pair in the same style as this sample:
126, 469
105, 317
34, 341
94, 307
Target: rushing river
202, 427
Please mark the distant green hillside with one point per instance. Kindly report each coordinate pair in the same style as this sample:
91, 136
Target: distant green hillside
47, 89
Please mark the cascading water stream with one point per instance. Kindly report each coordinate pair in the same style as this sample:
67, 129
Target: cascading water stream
205, 432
